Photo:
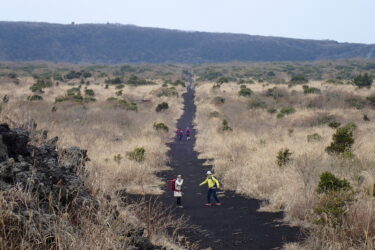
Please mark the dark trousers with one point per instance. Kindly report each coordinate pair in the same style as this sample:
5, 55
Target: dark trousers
178, 201
212, 192
180, 137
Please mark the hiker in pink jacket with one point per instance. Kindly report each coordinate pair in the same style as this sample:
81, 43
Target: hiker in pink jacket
179, 133
187, 133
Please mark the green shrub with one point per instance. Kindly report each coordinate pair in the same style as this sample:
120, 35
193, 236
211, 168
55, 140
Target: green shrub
356, 102
138, 154
272, 110
332, 207
222, 80
12, 75
314, 137
123, 104
57, 77
117, 158
5, 99
342, 140
364, 80
276, 92
89, 92
246, 92
225, 126
136, 81
284, 156
299, 79
116, 80
161, 127
334, 124
120, 86
167, 92
119, 93
40, 85
329, 182
218, 100
54, 109
73, 74
287, 110
256, 102
310, 90
280, 115
365, 118
162, 106
35, 98
371, 99
106, 86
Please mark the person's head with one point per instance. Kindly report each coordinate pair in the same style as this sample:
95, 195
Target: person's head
179, 176
209, 173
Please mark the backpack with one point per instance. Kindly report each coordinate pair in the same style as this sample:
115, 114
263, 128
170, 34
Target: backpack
172, 184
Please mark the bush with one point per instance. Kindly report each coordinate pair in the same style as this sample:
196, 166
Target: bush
225, 126
299, 79
218, 100
73, 74
222, 80
363, 80
167, 92
342, 140
255, 103
120, 86
40, 85
12, 75
365, 118
329, 182
356, 102
314, 137
35, 98
310, 90
119, 93
272, 110
332, 207
136, 81
116, 80
161, 127
162, 106
123, 104
89, 92
287, 110
5, 99
246, 92
213, 114
334, 124
371, 99
284, 156
138, 154
276, 92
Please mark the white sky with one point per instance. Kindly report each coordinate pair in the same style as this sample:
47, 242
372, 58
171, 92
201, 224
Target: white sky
341, 20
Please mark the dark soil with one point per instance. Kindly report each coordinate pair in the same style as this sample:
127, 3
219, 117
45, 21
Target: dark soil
234, 225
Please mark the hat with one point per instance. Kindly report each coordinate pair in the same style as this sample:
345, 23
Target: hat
209, 172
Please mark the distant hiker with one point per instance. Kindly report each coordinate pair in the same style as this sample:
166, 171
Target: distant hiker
176, 187
187, 133
213, 185
179, 133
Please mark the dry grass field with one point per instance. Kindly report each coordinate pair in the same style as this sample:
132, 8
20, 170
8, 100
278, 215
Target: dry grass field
110, 130
277, 117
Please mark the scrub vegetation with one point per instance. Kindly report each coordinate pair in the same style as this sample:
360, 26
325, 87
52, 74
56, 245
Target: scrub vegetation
300, 143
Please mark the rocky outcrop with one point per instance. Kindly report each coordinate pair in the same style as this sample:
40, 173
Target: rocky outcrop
38, 169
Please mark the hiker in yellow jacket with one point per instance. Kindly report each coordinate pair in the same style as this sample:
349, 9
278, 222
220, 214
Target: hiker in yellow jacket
213, 185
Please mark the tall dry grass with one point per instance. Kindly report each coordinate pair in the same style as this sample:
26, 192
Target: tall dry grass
245, 159
105, 131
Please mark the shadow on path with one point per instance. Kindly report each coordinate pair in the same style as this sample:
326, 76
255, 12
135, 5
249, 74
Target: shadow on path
234, 225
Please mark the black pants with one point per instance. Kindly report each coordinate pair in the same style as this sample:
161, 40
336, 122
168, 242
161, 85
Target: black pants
178, 201
212, 192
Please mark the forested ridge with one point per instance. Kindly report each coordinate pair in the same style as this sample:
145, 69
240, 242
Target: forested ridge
114, 43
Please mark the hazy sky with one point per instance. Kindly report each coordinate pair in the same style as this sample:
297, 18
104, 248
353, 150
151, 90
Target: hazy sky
341, 20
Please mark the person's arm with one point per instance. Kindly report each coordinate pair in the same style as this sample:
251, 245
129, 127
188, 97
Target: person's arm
205, 181
217, 182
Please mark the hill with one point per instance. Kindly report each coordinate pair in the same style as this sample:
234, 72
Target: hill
113, 43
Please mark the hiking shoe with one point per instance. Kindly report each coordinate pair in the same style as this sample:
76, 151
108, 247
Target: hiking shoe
218, 204
207, 204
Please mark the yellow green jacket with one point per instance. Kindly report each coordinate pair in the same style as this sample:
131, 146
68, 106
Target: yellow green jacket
211, 182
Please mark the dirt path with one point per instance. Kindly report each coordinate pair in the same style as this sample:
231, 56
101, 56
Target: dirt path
234, 225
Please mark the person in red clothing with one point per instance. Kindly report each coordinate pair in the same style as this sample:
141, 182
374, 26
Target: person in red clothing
179, 134
187, 133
